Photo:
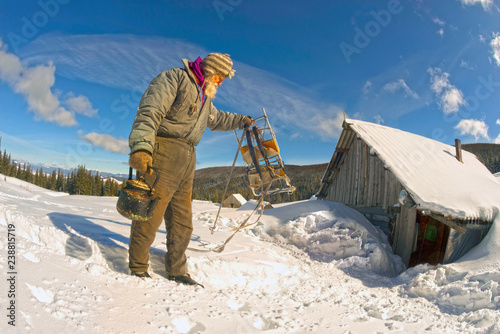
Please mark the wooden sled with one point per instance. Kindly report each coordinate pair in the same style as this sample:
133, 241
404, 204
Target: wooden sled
261, 155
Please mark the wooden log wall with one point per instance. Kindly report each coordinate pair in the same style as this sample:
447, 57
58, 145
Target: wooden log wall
405, 234
363, 181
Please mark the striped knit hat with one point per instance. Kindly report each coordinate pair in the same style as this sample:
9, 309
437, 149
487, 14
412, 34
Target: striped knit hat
218, 63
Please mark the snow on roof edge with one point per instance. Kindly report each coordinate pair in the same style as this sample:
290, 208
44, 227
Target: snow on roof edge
238, 197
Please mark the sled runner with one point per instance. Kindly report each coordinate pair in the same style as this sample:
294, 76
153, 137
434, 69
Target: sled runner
261, 155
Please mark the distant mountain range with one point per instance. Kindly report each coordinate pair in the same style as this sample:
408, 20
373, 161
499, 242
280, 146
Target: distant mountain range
48, 169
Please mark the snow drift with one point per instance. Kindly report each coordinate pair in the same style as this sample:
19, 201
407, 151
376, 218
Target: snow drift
310, 266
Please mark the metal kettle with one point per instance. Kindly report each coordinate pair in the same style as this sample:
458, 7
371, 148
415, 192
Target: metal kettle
136, 200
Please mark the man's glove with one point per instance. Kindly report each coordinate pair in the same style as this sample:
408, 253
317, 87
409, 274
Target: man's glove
140, 160
248, 121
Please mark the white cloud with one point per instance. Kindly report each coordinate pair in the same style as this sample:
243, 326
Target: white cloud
497, 140
498, 121
450, 97
473, 127
80, 105
485, 3
10, 66
441, 24
367, 87
328, 126
379, 119
115, 61
35, 84
120, 61
451, 100
439, 80
466, 64
400, 85
438, 21
495, 47
106, 142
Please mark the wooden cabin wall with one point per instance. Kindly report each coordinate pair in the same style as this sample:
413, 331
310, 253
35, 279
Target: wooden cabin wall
363, 181
405, 234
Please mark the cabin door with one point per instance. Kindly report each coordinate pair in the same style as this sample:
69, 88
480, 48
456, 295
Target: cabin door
430, 244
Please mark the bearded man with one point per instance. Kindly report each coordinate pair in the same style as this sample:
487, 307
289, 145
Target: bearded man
172, 116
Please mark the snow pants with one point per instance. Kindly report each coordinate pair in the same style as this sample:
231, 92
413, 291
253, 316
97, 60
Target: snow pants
175, 159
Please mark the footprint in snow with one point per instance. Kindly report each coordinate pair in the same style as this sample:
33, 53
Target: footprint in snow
41, 294
31, 257
184, 325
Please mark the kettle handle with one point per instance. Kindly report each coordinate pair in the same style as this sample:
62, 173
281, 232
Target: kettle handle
151, 188
130, 173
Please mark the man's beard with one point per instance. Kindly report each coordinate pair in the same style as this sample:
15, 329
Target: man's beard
211, 88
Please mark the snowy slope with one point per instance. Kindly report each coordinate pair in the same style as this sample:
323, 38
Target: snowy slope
310, 266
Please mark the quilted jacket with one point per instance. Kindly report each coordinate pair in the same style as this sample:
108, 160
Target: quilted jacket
171, 106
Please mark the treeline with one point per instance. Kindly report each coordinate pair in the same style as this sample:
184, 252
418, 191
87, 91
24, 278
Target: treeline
487, 153
79, 182
209, 183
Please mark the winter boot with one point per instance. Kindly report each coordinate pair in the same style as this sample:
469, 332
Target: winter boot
184, 279
141, 274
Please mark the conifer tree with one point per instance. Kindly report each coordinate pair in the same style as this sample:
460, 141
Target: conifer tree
83, 183
12, 167
70, 185
19, 173
108, 187
96, 185
36, 179
51, 184
215, 197
29, 174
60, 181
2, 169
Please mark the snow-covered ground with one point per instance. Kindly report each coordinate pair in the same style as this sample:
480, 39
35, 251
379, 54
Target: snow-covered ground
309, 266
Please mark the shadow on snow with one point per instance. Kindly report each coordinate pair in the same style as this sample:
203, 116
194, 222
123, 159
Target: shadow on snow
85, 235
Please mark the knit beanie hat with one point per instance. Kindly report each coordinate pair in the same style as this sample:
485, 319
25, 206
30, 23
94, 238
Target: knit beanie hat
218, 63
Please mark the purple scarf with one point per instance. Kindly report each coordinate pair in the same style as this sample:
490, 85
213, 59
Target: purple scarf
195, 66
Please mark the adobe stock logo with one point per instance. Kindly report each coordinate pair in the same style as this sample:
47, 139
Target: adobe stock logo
362, 39
30, 27
222, 7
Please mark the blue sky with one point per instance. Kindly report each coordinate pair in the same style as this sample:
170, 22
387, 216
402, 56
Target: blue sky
72, 72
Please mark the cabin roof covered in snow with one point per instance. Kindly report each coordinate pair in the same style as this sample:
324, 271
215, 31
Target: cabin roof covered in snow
238, 197
431, 173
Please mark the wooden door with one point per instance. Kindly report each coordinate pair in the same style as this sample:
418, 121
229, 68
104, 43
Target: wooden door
431, 241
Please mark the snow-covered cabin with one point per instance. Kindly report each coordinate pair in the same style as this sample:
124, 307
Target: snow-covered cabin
435, 207
234, 201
